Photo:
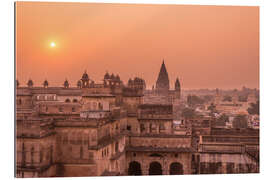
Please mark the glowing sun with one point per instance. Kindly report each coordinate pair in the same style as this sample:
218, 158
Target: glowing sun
52, 44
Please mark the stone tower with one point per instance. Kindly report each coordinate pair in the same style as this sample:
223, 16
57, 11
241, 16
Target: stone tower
177, 85
85, 80
163, 84
177, 88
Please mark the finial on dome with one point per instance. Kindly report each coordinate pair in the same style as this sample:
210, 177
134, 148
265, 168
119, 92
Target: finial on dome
30, 83
66, 84
45, 83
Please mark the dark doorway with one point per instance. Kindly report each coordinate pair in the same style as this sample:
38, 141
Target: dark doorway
155, 169
176, 168
134, 168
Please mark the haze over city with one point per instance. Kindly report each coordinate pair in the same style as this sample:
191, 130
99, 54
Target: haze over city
205, 46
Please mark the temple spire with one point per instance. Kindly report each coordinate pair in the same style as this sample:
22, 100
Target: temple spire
177, 85
162, 83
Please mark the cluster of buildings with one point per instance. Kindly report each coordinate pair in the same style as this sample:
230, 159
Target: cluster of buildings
113, 128
233, 107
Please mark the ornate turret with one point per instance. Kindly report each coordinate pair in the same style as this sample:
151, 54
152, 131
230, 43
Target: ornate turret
112, 76
45, 84
66, 84
137, 83
130, 82
79, 84
106, 76
30, 83
117, 78
163, 84
85, 80
177, 85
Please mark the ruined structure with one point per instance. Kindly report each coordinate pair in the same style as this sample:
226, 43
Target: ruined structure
116, 129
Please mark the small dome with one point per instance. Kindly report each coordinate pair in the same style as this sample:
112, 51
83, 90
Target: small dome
112, 76
66, 84
177, 82
79, 83
30, 83
117, 77
85, 76
107, 76
46, 83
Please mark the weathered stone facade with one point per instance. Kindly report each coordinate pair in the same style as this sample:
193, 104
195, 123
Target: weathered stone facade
116, 129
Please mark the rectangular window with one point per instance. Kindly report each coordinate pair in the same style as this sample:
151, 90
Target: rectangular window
142, 128
116, 147
128, 128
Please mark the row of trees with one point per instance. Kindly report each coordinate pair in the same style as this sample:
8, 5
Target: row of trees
240, 121
193, 100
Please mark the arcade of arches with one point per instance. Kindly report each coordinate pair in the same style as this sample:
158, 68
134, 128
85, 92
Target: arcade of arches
155, 168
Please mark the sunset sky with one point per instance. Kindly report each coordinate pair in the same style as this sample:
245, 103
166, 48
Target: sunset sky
205, 46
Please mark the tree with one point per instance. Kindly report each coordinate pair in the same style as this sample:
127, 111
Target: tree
208, 98
254, 108
188, 113
194, 100
227, 98
240, 121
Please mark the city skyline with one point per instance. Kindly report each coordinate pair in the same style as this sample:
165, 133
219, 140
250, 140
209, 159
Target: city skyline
58, 47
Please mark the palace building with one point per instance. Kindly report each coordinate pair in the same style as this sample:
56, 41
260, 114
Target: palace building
113, 128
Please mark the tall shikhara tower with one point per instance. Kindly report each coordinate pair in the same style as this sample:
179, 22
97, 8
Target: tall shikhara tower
163, 84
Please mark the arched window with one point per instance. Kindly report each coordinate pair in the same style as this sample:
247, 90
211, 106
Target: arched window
161, 127
134, 168
116, 147
176, 168
100, 106
67, 101
73, 109
155, 168
75, 100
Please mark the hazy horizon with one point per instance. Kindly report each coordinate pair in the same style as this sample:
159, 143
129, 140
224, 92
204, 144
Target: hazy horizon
205, 46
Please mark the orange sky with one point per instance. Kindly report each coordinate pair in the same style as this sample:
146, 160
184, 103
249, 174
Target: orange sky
206, 46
